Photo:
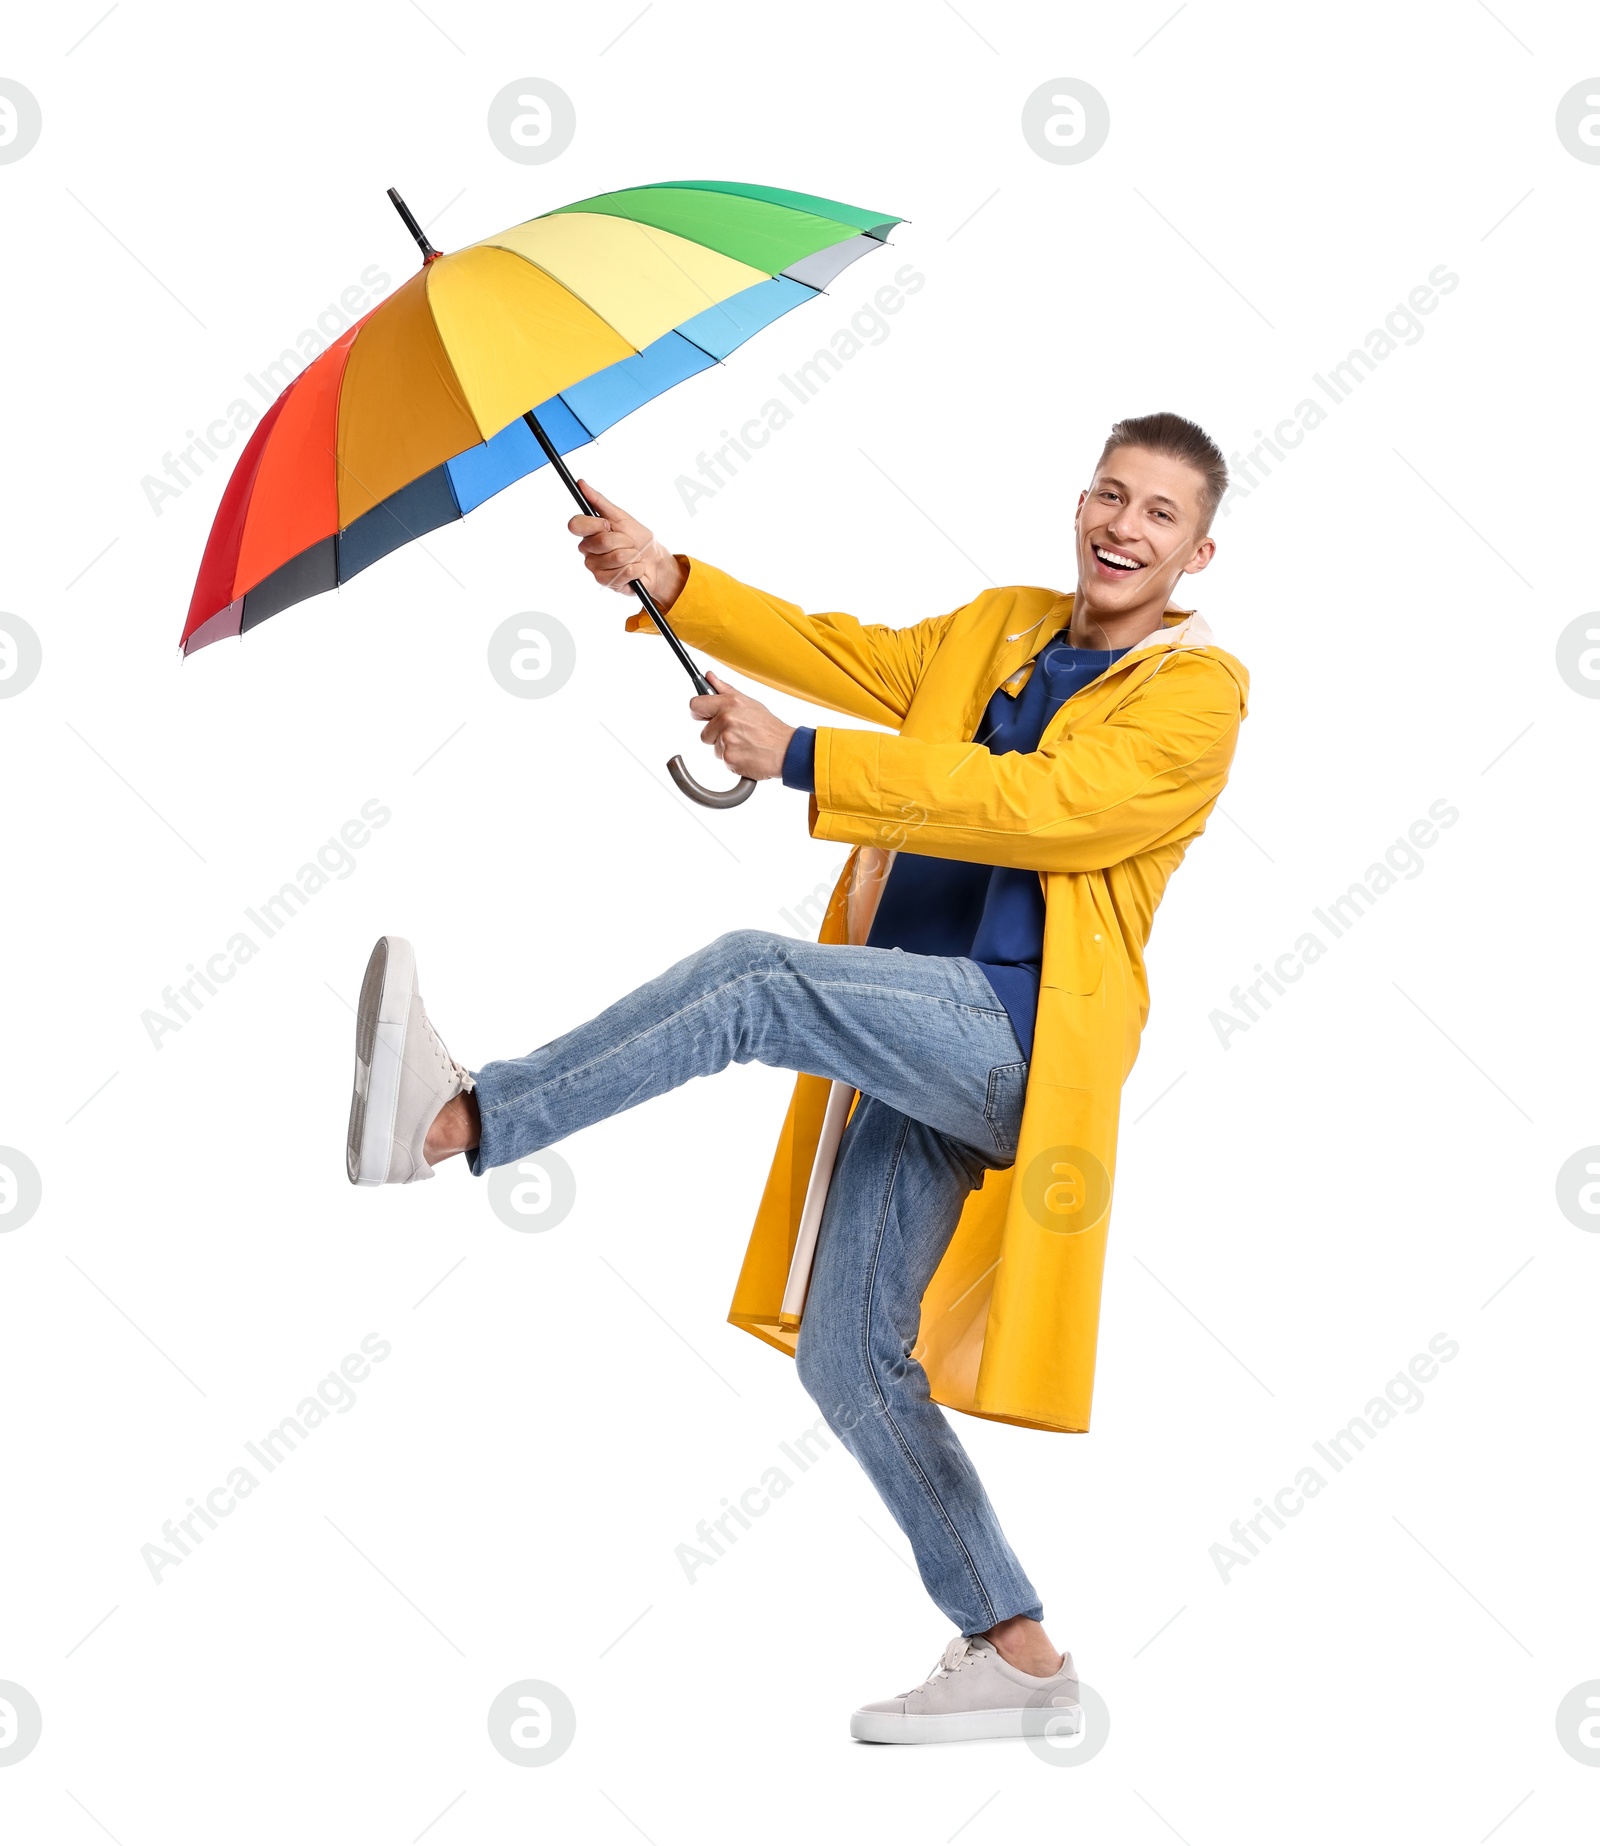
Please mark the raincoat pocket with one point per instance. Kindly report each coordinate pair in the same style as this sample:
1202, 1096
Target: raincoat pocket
1079, 965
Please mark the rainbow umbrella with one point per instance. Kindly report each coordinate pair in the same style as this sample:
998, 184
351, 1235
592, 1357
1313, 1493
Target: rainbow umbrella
497, 358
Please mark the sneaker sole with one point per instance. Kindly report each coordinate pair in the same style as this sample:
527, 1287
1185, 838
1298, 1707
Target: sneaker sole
382, 1014
966, 1726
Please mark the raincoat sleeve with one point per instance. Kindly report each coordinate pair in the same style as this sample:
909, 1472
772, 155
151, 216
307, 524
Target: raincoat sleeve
1089, 799
864, 669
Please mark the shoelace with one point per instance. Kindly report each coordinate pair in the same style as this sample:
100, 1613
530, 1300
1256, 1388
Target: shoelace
447, 1062
958, 1654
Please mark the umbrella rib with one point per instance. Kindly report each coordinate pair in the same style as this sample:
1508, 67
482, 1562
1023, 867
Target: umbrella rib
577, 206
340, 463
647, 230
459, 390
569, 289
593, 435
413, 538
772, 275
721, 306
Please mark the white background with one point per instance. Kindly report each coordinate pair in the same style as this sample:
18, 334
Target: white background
1297, 1214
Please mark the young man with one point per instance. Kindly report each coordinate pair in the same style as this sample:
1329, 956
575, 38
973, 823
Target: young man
1047, 760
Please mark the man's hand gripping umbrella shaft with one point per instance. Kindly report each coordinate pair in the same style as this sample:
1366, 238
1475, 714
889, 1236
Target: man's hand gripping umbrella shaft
619, 553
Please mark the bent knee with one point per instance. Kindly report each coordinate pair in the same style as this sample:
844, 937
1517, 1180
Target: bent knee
817, 1365
838, 1382
747, 951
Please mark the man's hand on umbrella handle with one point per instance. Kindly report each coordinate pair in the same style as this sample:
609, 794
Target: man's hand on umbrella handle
617, 549
748, 737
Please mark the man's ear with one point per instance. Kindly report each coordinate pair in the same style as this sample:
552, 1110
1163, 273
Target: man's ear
1204, 552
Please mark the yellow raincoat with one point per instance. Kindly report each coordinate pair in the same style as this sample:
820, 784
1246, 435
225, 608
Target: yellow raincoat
1124, 777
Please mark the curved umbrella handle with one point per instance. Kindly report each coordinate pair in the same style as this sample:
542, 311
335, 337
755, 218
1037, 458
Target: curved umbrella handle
742, 790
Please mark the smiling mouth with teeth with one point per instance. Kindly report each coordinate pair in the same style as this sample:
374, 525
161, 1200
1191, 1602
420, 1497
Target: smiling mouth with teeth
1116, 559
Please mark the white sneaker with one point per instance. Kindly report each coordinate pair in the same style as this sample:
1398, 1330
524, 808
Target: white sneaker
973, 1692
404, 1075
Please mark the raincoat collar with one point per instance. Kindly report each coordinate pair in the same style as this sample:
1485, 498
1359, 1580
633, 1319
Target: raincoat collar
1179, 628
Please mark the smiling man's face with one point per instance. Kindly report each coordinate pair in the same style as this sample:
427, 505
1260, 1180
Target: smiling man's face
1141, 526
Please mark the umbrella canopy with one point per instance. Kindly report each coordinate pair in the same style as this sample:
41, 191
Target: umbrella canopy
417, 413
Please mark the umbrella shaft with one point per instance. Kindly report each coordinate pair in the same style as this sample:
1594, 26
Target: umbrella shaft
701, 684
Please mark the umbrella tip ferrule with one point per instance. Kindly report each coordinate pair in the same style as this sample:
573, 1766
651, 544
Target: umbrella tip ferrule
429, 254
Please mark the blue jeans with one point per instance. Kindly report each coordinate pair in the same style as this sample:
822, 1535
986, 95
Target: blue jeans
942, 1078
